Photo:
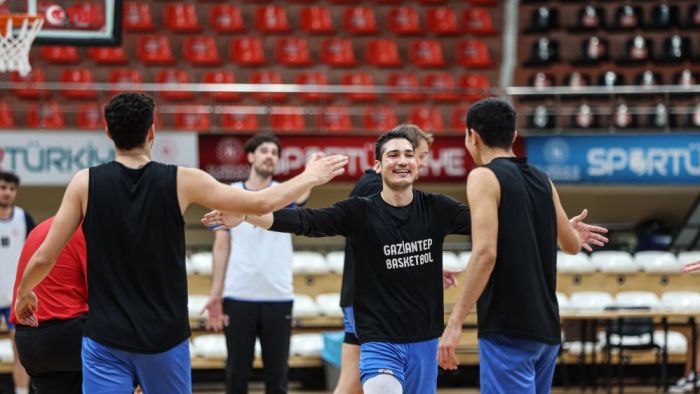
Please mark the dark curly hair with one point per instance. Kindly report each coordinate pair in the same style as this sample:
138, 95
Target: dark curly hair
494, 120
9, 177
129, 116
388, 136
258, 139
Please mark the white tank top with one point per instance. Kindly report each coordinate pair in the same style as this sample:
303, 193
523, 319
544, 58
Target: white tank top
259, 263
13, 232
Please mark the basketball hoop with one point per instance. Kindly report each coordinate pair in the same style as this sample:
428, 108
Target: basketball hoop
17, 32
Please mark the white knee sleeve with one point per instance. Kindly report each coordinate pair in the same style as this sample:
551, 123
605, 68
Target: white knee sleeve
382, 384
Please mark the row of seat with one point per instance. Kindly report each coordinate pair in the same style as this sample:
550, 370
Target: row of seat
626, 17
544, 80
50, 115
305, 262
435, 86
270, 19
623, 262
249, 51
622, 116
598, 49
214, 346
600, 300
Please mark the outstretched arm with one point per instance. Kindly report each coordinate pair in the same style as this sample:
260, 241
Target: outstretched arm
567, 236
67, 220
196, 186
483, 193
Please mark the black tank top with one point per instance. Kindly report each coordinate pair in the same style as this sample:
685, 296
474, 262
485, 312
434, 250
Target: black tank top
520, 297
137, 283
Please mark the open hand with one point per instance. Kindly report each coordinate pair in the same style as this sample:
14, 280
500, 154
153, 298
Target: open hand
587, 233
25, 308
216, 319
447, 357
324, 168
694, 266
217, 220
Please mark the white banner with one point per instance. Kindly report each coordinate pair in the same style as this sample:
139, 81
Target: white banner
51, 158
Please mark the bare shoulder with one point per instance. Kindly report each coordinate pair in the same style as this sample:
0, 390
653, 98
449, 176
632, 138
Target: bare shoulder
81, 179
482, 177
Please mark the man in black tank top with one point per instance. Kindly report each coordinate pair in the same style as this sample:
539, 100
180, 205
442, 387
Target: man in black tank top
132, 214
517, 221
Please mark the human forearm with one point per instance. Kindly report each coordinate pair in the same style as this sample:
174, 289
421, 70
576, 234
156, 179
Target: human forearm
37, 269
474, 281
220, 253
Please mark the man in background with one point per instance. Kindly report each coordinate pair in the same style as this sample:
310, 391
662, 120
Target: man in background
15, 225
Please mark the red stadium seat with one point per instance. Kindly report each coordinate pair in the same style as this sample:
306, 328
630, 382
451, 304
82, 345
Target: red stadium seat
382, 53
225, 18
182, 18
124, 76
247, 51
293, 52
7, 119
137, 17
442, 20
406, 85
89, 117
86, 15
477, 86
338, 52
483, 2
459, 118
239, 119
431, 2
360, 20
443, 87
220, 77
334, 119
473, 53
78, 76
46, 116
379, 118
174, 76
388, 1
404, 20
478, 21
267, 77
34, 77
287, 119
192, 117
271, 19
427, 118
313, 78
358, 80
317, 20
108, 55
201, 51
59, 54
154, 50
426, 53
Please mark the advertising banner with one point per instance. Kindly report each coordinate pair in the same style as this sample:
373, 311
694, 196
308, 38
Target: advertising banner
622, 159
51, 158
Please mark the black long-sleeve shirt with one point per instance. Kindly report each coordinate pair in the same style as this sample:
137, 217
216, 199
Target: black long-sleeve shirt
398, 295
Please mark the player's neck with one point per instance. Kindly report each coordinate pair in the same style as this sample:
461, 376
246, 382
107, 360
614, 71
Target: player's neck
256, 181
6, 212
489, 154
133, 158
397, 198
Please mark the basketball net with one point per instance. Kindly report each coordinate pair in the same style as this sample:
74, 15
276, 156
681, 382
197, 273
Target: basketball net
17, 32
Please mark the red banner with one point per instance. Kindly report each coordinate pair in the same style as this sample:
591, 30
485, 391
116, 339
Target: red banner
223, 157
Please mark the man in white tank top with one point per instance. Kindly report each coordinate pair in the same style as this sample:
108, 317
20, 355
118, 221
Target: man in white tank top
15, 224
251, 295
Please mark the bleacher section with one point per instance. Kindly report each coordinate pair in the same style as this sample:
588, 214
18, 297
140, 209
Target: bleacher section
605, 45
429, 52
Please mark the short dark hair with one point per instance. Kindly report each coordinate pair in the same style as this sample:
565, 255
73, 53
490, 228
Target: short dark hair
494, 120
129, 116
388, 136
258, 139
9, 177
415, 133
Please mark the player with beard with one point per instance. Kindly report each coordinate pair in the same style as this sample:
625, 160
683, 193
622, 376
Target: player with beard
252, 277
398, 294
